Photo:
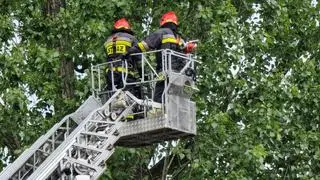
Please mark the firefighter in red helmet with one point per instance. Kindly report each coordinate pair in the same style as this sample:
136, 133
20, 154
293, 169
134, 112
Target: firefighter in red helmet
166, 37
169, 17
116, 45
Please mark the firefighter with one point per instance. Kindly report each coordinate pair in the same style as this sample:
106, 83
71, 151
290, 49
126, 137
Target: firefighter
166, 37
116, 45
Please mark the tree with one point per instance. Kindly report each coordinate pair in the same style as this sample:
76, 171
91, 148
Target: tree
258, 81
257, 110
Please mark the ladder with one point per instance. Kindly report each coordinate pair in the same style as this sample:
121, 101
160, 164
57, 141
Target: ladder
83, 149
78, 146
34, 156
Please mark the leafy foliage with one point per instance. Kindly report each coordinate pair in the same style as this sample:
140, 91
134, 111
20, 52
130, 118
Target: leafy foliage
259, 80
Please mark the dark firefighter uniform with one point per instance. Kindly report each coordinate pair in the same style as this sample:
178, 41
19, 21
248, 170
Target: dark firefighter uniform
164, 38
115, 47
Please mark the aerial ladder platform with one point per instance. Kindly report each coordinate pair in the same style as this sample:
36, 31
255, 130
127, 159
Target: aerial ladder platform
79, 145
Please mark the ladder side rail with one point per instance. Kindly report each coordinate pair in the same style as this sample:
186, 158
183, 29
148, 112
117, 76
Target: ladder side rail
28, 153
97, 166
49, 138
108, 151
47, 167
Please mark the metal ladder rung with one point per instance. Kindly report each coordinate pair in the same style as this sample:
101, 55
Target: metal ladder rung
105, 156
87, 147
64, 128
56, 141
104, 122
96, 134
44, 153
30, 165
102, 157
72, 160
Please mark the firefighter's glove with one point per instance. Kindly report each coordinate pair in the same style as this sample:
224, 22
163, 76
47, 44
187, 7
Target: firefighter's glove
190, 47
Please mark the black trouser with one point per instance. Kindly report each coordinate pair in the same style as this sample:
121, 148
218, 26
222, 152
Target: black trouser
118, 83
158, 91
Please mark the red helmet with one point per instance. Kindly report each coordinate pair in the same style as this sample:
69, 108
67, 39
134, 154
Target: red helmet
169, 17
122, 23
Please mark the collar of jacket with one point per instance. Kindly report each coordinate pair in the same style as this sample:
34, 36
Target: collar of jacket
122, 30
171, 26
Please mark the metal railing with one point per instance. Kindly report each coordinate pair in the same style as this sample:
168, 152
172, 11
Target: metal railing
149, 76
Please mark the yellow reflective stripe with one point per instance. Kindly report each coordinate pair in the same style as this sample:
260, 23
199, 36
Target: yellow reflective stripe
105, 46
109, 50
120, 43
145, 45
120, 49
124, 43
129, 117
169, 40
141, 47
122, 69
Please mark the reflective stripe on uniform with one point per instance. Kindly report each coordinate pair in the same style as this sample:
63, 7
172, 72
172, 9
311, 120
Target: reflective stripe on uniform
122, 69
121, 47
169, 40
120, 42
145, 45
130, 116
141, 46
